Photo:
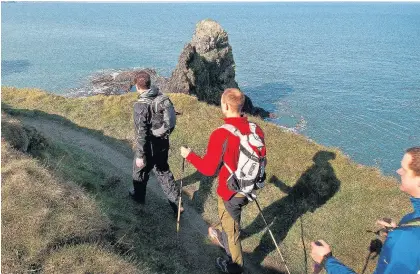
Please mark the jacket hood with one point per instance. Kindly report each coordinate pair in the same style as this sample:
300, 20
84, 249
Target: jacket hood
150, 93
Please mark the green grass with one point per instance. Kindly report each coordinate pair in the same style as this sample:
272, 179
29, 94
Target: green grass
341, 218
42, 213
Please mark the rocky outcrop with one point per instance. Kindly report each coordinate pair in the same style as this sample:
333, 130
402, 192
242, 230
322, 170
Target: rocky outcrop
206, 66
113, 82
257, 111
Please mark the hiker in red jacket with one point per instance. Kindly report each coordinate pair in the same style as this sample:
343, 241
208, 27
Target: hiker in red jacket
223, 151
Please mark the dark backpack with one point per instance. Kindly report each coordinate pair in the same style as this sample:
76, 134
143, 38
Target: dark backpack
163, 118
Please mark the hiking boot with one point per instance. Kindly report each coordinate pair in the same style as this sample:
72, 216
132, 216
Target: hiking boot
174, 207
228, 267
135, 197
216, 236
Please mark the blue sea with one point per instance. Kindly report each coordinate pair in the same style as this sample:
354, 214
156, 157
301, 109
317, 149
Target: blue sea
342, 74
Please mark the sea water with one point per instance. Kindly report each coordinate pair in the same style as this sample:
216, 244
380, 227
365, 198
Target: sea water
343, 74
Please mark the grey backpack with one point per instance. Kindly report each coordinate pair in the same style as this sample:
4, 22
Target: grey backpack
163, 118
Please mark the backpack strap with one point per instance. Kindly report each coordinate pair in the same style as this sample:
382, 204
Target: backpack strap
159, 99
412, 222
235, 131
232, 129
154, 102
228, 168
256, 140
253, 127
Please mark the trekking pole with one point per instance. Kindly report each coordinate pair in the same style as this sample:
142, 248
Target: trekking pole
272, 236
180, 196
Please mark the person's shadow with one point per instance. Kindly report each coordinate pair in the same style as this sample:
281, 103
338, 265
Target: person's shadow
312, 190
200, 195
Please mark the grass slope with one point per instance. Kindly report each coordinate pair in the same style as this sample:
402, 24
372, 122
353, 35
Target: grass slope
101, 233
45, 218
312, 192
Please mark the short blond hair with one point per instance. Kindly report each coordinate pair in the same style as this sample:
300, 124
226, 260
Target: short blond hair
234, 98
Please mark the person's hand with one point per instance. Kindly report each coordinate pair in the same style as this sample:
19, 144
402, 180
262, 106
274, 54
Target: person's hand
319, 251
140, 163
185, 151
386, 223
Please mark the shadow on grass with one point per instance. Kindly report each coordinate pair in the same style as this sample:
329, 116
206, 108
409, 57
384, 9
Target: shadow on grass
313, 189
200, 195
146, 233
123, 146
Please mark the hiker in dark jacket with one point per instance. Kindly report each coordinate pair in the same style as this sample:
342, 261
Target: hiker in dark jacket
401, 250
222, 150
152, 131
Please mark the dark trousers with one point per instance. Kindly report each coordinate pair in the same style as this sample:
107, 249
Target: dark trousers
156, 159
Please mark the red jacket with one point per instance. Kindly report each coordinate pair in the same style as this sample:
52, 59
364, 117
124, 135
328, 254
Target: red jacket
209, 163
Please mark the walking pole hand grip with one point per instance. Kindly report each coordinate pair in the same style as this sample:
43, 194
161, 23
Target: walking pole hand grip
318, 243
387, 220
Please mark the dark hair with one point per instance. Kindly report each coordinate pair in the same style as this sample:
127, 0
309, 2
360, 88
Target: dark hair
415, 159
142, 80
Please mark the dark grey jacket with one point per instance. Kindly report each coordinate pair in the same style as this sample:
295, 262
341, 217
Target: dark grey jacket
142, 120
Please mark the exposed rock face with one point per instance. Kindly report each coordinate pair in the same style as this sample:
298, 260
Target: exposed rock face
206, 66
257, 111
114, 82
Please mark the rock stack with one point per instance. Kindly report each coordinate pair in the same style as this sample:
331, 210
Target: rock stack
206, 66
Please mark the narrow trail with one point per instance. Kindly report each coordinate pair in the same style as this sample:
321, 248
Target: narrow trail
193, 227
